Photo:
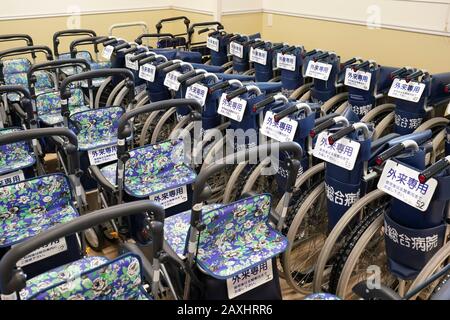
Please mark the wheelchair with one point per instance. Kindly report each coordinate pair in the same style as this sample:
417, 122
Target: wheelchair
14, 72
39, 202
406, 271
128, 277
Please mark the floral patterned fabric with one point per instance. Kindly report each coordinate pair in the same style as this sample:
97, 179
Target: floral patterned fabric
176, 229
322, 296
15, 156
153, 169
80, 55
49, 106
43, 82
236, 237
31, 206
96, 128
16, 65
91, 278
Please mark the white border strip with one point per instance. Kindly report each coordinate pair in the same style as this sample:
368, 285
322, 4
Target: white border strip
357, 22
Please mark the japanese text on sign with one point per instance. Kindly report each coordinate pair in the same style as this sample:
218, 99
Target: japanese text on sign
133, 65
282, 131
46, 251
213, 44
11, 178
197, 92
258, 56
409, 91
171, 198
147, 72
107, 52
237, 50
359, 79
102, 155
286, 61
402, 183
250, 279
318, 70
171, 80
233, 109
342, 153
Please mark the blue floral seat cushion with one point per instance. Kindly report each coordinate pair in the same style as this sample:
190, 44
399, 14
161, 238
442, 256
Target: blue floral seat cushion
48, 106
16, 65
96, 128
15, 156
91, 278
153, 169
44, 82
31, 206
236, 237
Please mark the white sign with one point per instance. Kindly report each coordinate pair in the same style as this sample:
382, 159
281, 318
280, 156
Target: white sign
46, 251
237, 49
409, 91
233, 109
258, 56
197, 92
12, 177
213, 44
403, 183
359, 79
342, 153
147, 72
130, 64
282, 131
107, 52
250, 279
171, 198
139, 89
171, 80
103, 155
286, 61
318, 70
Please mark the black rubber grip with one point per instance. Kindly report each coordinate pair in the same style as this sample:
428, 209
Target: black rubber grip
121, 46
171, 68
361, 65
71, 33
139, 56
131, 50
138, 40
398, 72
277, 47
159, 25
157, 234
340, 134
164, 65
433, 170
147, 60
322, 126
288, 50
348, 62
322, 55
110, 42
236, 93
266, 101
310, 53
414, 75
197, 78
219, 86
284, 113
185, 76
28, 50
389, 153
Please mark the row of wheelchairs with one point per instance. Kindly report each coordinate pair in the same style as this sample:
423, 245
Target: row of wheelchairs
260, 160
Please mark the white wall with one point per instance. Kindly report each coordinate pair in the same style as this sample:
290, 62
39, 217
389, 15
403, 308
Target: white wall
428, 16
14, 9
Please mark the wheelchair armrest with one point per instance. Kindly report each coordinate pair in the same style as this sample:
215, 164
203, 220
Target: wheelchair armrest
383, 293
95, 173
22, 114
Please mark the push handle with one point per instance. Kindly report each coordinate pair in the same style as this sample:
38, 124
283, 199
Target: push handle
13, 279
86, 41
396, 150
111, 41
292, 109
194, 105
157, 234
197, 78
236, 93
414, 75
288, 50
361, 65
28, 50
348, 62
398, 73
185, 19
171, 68
147, 60
121, 46
185, 76
277, 47
139, 57
266, 101
219, 86
152, 35
124, 73
17, 37
321, 56
70, 33
434, 169
57, 64
310, 53
328, 124
204, 24
347, 130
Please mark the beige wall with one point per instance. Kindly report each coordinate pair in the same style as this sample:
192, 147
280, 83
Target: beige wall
388, 47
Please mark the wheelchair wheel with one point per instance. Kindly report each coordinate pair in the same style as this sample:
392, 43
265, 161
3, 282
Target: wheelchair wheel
306, 236
340, 234
364, 248
440, 259
95, 238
